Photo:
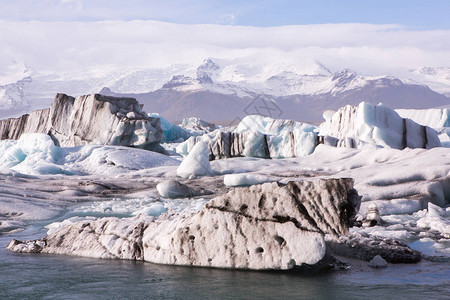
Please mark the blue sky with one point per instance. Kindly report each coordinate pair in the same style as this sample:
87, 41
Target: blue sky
417, 15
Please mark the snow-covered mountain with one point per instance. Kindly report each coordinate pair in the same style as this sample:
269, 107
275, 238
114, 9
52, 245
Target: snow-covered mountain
437, 79
224, 90
14, 80
244, 81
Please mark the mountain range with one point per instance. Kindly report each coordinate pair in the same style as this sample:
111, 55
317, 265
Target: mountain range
224, 92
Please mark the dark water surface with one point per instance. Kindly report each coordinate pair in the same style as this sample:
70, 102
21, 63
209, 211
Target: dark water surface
42, 276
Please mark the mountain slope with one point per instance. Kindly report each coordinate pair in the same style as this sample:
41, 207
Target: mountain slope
215, 95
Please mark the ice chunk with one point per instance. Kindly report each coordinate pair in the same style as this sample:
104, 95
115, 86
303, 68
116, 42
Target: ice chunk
436, 219
173, 189
244, 179
196, 163
378, 262
172, 132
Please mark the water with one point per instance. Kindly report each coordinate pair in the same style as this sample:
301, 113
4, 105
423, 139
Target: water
42, 276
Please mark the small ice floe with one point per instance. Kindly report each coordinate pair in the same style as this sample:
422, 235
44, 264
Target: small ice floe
373, 216
378, 262
34, 246
245, 179
174, 189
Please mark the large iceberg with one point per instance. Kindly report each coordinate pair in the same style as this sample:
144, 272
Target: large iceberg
269, 226
258, 136
437, 118
89, 119
433, 117
358, 127
366, 124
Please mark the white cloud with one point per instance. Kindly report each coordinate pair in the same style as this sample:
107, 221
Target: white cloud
69, 46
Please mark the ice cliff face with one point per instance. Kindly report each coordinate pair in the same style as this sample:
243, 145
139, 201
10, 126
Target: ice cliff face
357, 127
90, 119
377, 125
268, 226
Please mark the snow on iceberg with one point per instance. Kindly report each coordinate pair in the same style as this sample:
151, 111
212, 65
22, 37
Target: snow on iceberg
36, 154
434, 117
377, 125
245, 179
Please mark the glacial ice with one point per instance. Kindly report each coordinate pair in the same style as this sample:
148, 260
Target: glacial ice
36, 154
89, 119
172, 132
364, 126
271, 126
435, 117
234, 230
196, 163
174, 189
408, 186
378, 125
244, 179
258, 136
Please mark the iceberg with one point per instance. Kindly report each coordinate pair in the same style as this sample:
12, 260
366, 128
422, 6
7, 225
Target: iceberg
245, 179
89, 119
262, 227
366, 124
172, 132
258, 136
36, 154
434, 117
196, 163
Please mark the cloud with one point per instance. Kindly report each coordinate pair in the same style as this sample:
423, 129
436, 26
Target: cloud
83, 46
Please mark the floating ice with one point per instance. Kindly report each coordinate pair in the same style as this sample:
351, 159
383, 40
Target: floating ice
434, 117
378, 125
244, 179
172, 132
378, 262
173, 189
36, 154
271, 126
196, 163
435, 219
258, 136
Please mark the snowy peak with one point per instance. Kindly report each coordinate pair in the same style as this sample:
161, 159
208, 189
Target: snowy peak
276, 80
13, 80
443, 72
437, 78
206, 71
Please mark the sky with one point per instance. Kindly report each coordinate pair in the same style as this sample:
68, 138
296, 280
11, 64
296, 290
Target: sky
371, 37
416, 14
